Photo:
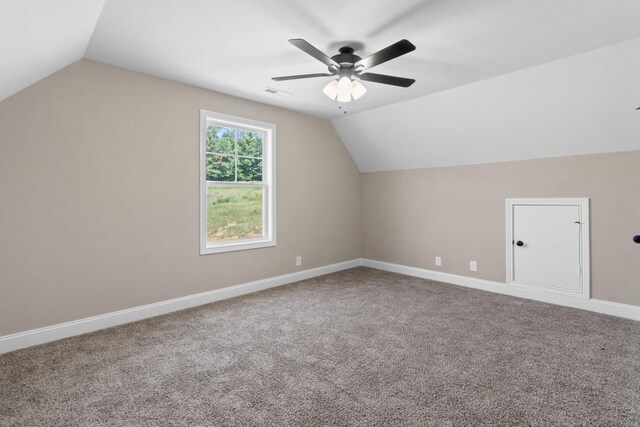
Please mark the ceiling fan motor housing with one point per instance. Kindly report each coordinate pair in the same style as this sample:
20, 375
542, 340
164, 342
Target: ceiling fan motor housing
346, 58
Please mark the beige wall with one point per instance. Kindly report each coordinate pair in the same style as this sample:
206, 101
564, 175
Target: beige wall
99, 190
99, 201
458, 213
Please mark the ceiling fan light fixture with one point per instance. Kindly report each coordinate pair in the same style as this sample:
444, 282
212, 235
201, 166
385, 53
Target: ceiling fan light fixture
357, 90
331, 90
344, 89
347, 69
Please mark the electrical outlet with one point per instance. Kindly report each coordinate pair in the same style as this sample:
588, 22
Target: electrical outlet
298, 261
438, 261
473, 265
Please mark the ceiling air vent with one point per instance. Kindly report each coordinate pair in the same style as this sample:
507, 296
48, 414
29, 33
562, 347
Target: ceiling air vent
277, 92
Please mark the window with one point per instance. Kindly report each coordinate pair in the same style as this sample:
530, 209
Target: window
237, 194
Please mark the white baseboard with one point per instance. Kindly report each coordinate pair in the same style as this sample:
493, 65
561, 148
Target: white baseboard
76, 327
596, 305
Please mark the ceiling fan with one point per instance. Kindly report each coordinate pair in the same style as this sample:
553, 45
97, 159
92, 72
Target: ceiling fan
349, 68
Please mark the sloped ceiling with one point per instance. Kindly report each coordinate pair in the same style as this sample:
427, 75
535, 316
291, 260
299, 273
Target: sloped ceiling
579, 105
236, 46
39, 37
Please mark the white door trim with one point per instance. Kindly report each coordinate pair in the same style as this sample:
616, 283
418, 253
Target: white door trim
585, 277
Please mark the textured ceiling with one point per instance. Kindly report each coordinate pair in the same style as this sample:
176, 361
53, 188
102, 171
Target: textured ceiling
235, 46
39, 37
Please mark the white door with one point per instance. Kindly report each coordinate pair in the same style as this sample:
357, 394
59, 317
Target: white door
547, 247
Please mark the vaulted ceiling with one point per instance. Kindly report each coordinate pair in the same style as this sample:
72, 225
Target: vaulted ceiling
39, 37
236, 46
583, 104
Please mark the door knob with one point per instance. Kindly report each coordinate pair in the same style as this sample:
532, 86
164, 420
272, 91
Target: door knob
636, 238
519, 243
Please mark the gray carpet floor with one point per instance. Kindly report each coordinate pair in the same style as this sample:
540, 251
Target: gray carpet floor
359, 347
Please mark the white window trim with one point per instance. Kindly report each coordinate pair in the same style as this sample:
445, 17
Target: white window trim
268, 177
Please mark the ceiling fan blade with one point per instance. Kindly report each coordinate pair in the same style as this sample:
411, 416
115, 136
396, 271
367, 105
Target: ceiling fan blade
386, 54
387, 80
301, 76
306, 47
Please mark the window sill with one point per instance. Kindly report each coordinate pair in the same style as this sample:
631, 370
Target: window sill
236, 246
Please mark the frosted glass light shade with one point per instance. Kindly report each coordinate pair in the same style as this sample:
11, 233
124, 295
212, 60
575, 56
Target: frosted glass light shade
357, 89
331, 90
344, 89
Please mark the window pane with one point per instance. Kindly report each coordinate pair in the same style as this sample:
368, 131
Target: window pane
250, 143
233, 213
220, 140
221, 168
249, 170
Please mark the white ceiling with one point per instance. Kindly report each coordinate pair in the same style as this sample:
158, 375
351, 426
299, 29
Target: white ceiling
583, 104
235, 46
574, 105
39, 37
